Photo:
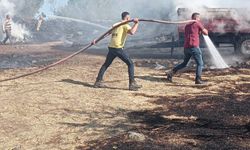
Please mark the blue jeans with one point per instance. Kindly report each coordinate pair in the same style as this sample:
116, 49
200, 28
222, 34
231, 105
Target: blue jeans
112, 54
197, 55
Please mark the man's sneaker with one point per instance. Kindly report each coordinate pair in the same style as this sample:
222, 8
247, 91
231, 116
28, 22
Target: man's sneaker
99, 84
170, 76
133, 86
199, 81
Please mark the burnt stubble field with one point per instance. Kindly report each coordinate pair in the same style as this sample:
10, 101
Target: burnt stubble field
60, 109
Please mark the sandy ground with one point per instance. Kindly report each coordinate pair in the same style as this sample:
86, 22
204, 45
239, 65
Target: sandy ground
60, 109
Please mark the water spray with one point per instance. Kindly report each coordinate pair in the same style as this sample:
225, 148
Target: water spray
217, 58
91, 44
77, 20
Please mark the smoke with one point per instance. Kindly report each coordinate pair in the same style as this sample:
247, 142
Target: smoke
78, 20
107, 12
197, 5
236, 13
111, 9
161, 9
18, 9
20, 32
51, 6
7, 7
213, 3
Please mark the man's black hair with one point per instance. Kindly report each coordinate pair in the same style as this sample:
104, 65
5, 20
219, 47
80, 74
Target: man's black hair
124, 14
194, 15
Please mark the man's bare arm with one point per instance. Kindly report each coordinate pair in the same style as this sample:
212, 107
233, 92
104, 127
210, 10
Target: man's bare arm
205, 31
135, 27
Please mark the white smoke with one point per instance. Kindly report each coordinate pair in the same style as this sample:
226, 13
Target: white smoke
107, 12
51, 6
198, 4
238, 11
6, 7
19, 31
160, 9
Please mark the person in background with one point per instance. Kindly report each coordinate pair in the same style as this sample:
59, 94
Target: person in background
116, 49
7, 29
41, 19
191, 48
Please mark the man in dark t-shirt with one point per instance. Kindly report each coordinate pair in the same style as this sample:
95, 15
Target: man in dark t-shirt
191, 48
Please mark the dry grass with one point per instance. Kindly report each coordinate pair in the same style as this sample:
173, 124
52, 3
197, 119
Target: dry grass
59, 109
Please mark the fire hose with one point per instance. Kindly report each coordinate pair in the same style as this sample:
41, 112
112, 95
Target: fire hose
91, 44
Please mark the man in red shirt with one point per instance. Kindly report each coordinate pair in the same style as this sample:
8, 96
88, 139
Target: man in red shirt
191, 48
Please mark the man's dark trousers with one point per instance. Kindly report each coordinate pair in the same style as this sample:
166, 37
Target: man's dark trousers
123, 55
8, 36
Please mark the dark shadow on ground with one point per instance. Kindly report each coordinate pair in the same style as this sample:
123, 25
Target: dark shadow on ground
77, 83
205, 121
215, 119
174, 83
152, 78
89, 85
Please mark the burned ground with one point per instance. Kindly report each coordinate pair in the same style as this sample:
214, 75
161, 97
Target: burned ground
215, 119
60, 109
